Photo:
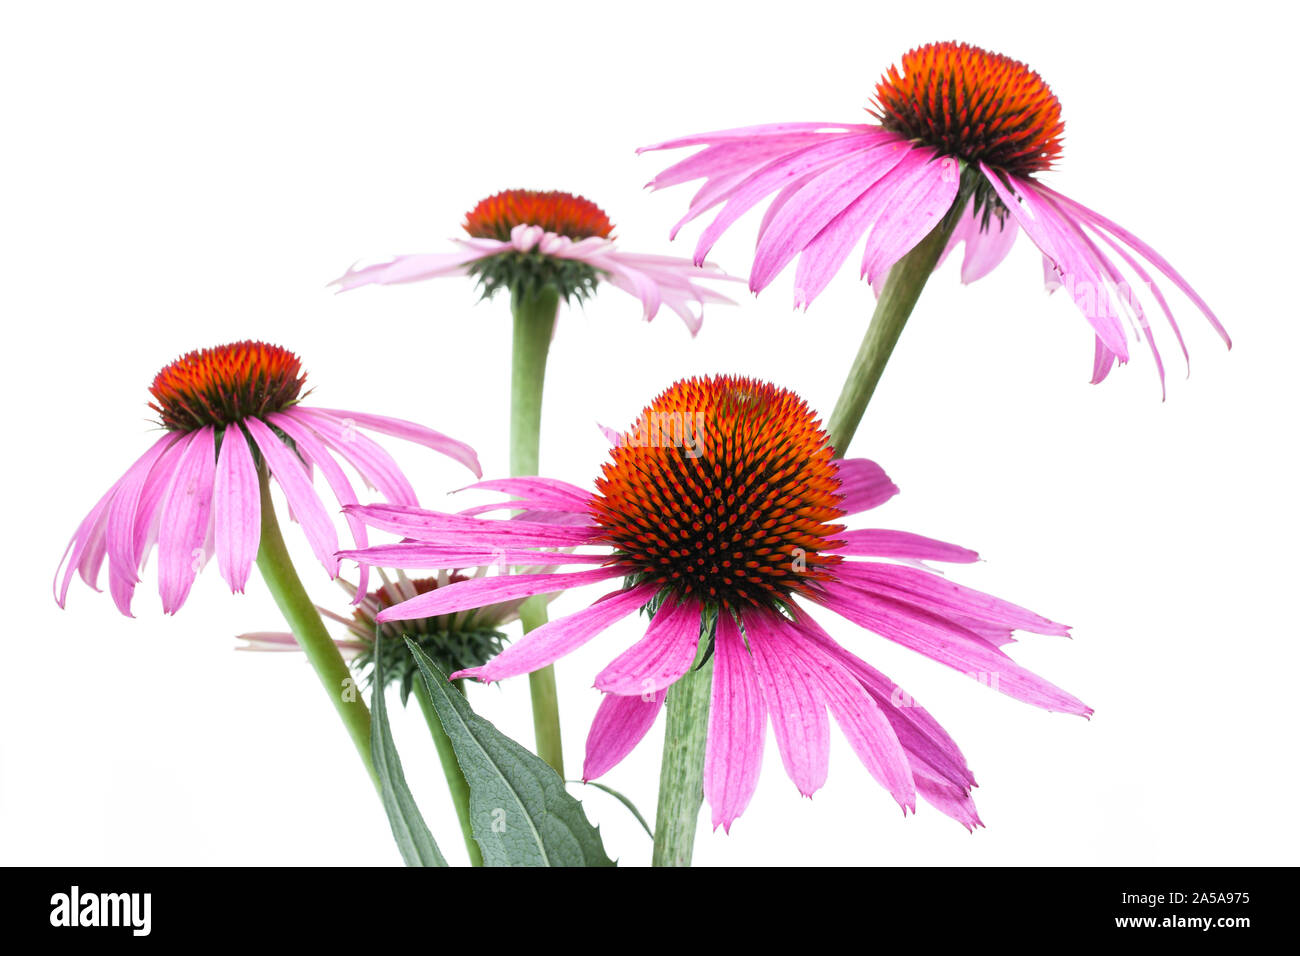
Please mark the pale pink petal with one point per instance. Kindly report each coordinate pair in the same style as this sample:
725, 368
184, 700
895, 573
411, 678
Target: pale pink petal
1054, 235
480, 592
921, 198
554, 639
410, 555
183, 526
410, 431
120, 536
375, 466
83, 539
986, 248
619, 725
410, 268
664, 654
733, 752
314, 449
822, 198
237, 509
287, 470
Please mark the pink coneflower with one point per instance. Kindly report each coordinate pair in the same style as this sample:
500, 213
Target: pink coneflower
720, 511
960, 137
523, 239
228, 412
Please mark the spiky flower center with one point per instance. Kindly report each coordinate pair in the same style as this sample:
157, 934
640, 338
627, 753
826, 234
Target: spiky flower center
723, 491
561, 213
222, 385
973, 104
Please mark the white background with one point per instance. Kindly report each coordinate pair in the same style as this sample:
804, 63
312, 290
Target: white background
176, 176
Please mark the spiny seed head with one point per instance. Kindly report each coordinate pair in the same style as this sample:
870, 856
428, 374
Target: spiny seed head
973, 104
723, 491
223, 385
559, 212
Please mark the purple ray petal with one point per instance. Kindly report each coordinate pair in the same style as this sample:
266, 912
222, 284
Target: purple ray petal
287, 470
237, 509
183, 526
879, 543
619, 725
561, 636
922, 197
410, 431
375, 466
733, 752
661, 657
863, 484
480, 592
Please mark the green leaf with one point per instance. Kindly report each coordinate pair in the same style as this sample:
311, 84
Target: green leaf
519, 811
623, 800
413, 838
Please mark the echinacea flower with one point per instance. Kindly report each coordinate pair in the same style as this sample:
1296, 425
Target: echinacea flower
453, 641
961, 137
523, 239
720, 509
229, 412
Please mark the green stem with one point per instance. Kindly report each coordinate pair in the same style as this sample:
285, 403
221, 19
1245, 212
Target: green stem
456, 783
902, 288
681, 774
534, 315
304, 620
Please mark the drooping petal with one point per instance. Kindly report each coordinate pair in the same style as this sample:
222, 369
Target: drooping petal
480, 592
797, 707
554, 639
1053, 234
121, 521
410, 431
619, 725
375, 466
315, 450
288, 472
923, 196
865, 726
183, 526
83, 540
822, 198
733, 752
661, 657
236, 509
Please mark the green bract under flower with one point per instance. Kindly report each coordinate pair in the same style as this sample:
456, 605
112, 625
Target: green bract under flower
526, 274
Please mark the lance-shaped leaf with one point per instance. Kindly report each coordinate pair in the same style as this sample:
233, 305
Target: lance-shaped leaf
413, 838
519, 811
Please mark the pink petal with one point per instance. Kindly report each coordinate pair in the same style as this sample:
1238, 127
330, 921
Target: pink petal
237, 509
410, 555
375, 466
480, 592
661, 657
863, 484
554, 639
461, 530
948, 644
797, 708
410, 431
737, 719
922, 197
879, 543
619, 725
410, 268
289, 474
183, 526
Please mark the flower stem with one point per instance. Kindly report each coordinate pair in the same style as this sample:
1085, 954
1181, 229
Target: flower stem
304, 620
456, 783
681, 773
534, 314
902, 288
